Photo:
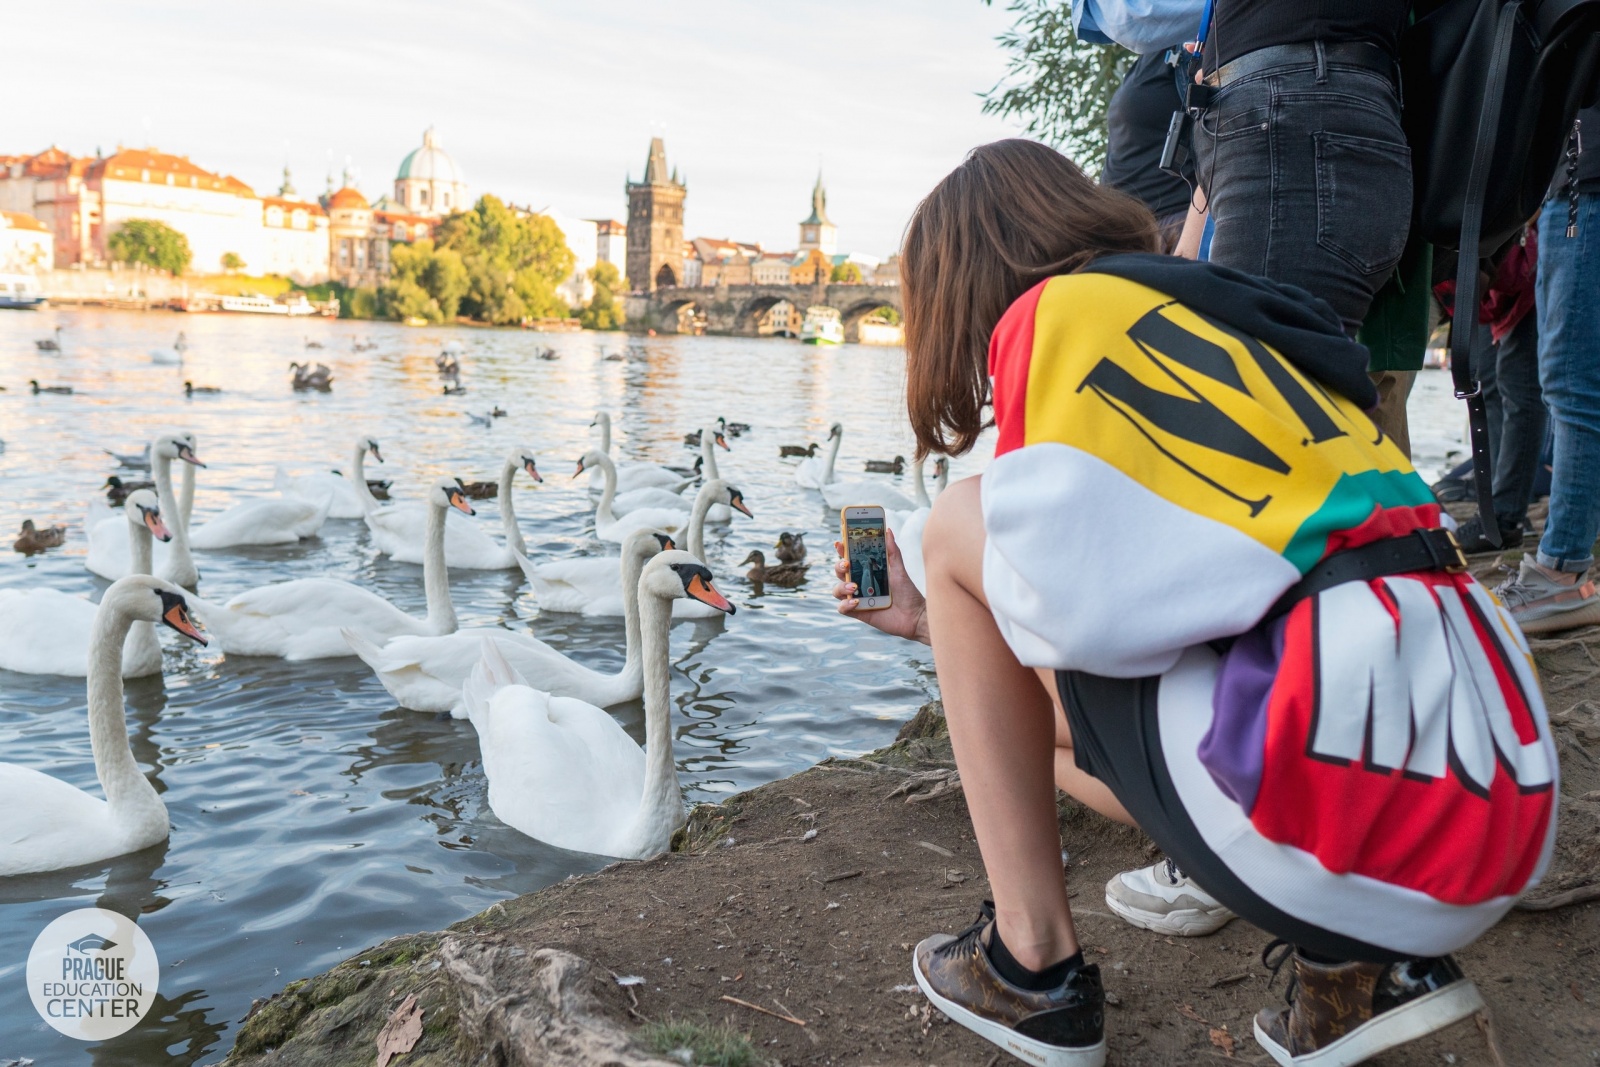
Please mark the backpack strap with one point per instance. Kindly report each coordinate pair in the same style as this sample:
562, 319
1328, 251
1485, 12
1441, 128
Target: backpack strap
1467, 386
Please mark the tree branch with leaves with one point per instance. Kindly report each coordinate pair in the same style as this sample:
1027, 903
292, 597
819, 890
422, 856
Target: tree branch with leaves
1056, 85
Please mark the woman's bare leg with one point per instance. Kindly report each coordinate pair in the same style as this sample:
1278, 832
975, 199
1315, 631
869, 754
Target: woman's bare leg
1004, 729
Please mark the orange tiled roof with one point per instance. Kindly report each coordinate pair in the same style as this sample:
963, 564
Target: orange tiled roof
392, 217
17, 220
147, 164
347, 198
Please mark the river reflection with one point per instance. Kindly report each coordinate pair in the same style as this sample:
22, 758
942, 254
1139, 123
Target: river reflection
311, 817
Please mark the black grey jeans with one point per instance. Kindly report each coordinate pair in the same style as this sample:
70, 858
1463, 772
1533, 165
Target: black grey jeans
1509, 374
1308, 177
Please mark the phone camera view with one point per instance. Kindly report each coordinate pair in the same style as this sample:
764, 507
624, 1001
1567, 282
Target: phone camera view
869, 556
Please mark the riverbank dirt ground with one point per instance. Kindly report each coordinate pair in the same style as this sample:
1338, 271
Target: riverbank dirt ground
789, 912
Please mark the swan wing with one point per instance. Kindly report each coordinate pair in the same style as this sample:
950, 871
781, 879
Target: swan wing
59, 826
301, 619
343, 500
644, 519
401, 531
560, 770
45, 631
266, 521
575, 585
844, 494
637, 499
909, 540
631, 476
428, 673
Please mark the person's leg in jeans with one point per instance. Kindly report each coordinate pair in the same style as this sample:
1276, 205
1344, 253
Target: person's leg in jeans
1522, 422
1309, 180
1552, 591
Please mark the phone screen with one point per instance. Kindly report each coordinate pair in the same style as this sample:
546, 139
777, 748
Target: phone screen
869, 556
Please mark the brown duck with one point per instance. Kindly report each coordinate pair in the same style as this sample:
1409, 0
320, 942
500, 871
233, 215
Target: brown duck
784, 575
789, 451
33, 540
117, 490
791, 548
887, 466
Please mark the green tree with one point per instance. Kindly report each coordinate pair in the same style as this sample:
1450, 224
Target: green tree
513, 261
885, 314
232, 262
603, 311
155, 244
846, 273
424, 282
1055, 84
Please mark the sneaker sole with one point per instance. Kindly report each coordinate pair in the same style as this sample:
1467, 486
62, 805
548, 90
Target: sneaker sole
1587, 615
1421, 1017
1024, 1048
1184, 922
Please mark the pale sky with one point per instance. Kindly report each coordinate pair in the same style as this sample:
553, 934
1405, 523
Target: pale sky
544, 103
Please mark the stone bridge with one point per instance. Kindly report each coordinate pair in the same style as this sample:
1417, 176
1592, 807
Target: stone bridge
734, 309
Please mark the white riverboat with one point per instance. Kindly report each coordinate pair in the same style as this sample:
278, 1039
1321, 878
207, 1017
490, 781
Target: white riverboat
822, 326
20, 292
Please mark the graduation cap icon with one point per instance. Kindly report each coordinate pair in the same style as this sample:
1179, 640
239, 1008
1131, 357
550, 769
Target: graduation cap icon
92, 943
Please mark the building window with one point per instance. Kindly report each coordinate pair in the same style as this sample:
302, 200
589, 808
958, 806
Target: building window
423, 197
144, 175
344, 251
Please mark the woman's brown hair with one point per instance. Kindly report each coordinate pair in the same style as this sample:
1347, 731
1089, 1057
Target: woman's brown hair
1013, 214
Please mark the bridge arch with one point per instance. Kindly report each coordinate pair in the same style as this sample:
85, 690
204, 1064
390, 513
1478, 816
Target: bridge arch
854, 313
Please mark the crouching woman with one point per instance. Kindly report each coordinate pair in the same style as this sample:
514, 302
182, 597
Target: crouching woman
1199, 591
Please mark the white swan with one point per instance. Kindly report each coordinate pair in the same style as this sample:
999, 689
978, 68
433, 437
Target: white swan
349, 495
46, 631
637, 499
908, 525
301, 619
280, 520
594, 586
562, 770
840, 494
608, 526
426, 673
631, 476
400, 530
52, 826
814, 473
110, 555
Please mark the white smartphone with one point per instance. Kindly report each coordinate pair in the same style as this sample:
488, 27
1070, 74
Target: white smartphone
867, 551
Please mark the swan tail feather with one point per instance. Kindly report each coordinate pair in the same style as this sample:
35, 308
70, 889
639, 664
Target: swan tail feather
371, 653
489, 675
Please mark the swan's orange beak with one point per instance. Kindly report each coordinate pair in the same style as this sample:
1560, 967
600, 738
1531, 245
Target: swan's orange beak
580, 470
373, 448
703, 591
737, 502
186, 454
665, 541
533, 471
723, 441
157, 528
177, 617
458, 500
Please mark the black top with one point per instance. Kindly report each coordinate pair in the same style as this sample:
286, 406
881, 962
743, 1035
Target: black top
1136, 121
1241, 26
1588, 174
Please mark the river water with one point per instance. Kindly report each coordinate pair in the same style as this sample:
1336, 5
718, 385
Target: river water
312, 817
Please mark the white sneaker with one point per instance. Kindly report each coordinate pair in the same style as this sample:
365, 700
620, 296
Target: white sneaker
1163, 899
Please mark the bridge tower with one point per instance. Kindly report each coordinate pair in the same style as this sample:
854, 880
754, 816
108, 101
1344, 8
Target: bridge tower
655, 224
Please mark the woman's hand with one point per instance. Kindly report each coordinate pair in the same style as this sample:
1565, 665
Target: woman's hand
908, 614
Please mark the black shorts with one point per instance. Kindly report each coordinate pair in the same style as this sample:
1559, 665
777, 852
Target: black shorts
1116, 738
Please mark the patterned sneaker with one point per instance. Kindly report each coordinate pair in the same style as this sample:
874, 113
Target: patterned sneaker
1060, 1027
1163, 899
1345, 1013
1542, 606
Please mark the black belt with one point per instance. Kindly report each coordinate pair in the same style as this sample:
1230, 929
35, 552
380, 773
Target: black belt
1334, 54
1419, 550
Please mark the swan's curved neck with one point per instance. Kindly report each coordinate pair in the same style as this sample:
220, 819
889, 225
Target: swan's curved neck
697, 521
363, 490
919, 484
661, 803
186, 496
128, 793
602, 510
605, 435
833, 454
508, 509
436, 576
708, 452
632, 567
181, 562
142, 637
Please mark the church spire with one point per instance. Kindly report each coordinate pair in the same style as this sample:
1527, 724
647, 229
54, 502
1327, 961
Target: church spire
819, 205
287, 188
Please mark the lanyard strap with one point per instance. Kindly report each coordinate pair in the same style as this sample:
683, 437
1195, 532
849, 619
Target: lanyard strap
1205, 26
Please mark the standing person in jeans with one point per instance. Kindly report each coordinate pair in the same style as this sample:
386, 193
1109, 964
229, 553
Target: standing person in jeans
1307, 177
1553, 590
1136, 130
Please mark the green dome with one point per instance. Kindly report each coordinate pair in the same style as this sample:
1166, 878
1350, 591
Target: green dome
430, 163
